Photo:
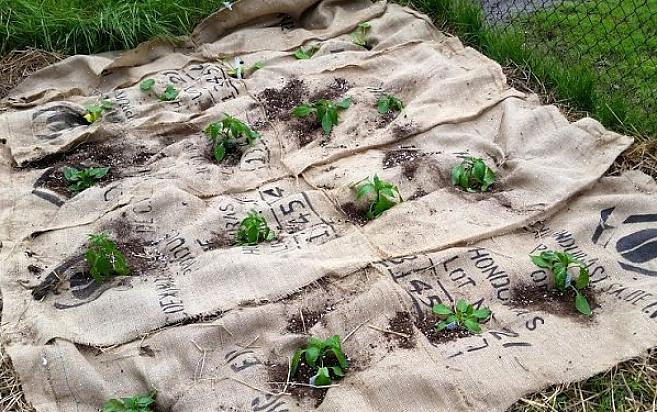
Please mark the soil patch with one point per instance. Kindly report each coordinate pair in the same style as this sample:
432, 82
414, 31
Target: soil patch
279, 102
306, 130
354, 214
220, 241
553, 301
402, 323
385, 119
399, 157
83, 156
409, 159
301, 324
334, 91
140, 262
402, 131
428, 328
232, 158
418, 194
278, 376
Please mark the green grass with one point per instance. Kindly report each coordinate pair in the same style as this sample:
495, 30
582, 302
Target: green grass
94, 26
594, 56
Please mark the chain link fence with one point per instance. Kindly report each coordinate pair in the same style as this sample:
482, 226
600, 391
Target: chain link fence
600, 55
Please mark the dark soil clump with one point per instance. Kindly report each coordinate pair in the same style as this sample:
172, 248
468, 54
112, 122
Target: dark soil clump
399, 157
334, 91
278, 377
354, 214
428, 328
232, 158
278, 103
550, 300
386, 119
418, 194
403, 131
134, 249
409, 159
402, 323
219, 241
84, 156
297, 324
306, 130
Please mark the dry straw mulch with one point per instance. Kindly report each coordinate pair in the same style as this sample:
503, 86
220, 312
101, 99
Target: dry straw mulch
18, 64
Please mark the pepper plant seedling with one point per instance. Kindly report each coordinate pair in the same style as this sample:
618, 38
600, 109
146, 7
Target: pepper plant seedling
84, 179
253, 230
170, 92
239, 71
359, 36
302, 54
104, 258
224, 135
387, 103
95, 111
321, 355
462, 315
560, 264
326, 112
138, 403
382, 195
473, 175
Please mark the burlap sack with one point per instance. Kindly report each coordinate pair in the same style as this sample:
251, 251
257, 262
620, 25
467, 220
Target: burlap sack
212, 325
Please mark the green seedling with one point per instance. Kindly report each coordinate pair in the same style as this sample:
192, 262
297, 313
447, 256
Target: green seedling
225, 134
326, 112
388, 103
95, 111
170, 92
138, 403
321, 355
473, 175
561, 264
239, 71
359, 36
382, 195
302, 54
462, 315
253, 230
84, 179
104, 258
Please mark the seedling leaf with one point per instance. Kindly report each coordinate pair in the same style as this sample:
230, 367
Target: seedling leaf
225, 135
582, 304
462, 315
561, 265
359, 36
442, 309
382, 195
302, 54
316, 354
323, 377
387, 103
104, 258
253, 230
472, 325
138, 403
326, 112
84, 179
170, 93
147, 85
312, 354
473, 175
296, 360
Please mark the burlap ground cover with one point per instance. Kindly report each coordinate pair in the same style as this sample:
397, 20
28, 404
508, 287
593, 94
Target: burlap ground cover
212, 325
